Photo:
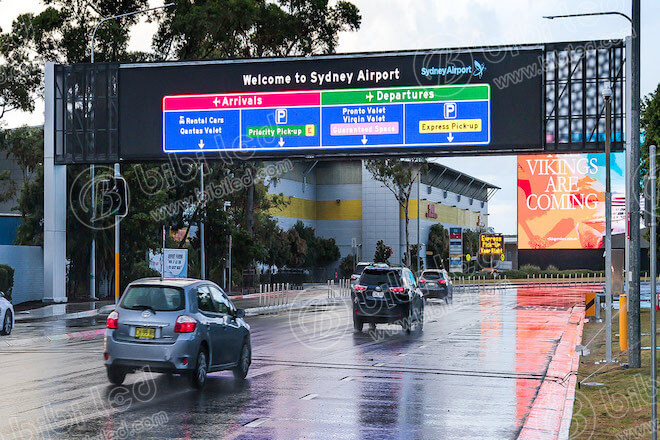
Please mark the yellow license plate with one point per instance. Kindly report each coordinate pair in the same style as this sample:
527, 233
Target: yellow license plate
141, 332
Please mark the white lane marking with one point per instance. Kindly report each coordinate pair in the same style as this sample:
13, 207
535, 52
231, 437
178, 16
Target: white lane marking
309, 397
256, 422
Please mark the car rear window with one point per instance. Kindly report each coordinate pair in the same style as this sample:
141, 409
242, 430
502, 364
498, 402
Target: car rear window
371, 277
433, 276
360, 267
156, 298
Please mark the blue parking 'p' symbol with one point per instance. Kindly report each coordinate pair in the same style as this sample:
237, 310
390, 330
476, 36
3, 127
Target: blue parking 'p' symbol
280, 116
450, 110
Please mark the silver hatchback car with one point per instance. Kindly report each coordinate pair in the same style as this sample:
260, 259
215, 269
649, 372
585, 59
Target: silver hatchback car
183, 326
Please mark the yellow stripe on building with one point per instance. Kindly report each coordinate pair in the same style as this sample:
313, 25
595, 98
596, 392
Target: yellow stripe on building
443, 213
342, 210
319, 210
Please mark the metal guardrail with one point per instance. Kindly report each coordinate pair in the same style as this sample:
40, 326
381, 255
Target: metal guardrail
541, 280
340, 289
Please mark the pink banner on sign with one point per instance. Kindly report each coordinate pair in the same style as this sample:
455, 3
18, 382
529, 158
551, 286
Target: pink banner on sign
221, 101
364, 128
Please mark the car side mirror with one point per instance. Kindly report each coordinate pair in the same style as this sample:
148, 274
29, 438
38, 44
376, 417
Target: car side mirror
240, 313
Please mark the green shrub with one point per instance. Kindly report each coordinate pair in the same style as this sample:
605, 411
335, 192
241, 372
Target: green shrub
514, 274
530, 269
6, 280
551, 268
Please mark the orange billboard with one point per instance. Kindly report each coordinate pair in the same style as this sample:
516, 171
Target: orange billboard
561, 200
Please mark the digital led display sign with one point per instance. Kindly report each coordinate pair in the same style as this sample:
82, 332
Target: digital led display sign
561, 200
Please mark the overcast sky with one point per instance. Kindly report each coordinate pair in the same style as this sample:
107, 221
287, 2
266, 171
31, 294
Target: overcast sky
418, 24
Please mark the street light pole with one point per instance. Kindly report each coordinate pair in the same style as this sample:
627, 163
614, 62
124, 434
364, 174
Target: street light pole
92, 257
607, 95
226, 205
633, 165
654, 297
202, 256
634, 325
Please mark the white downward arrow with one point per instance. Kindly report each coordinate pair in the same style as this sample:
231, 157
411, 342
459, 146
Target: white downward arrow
201, 144
450, 137
281, 142
364, 139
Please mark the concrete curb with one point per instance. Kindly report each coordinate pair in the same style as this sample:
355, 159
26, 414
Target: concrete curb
255, 311
552, 410
87, 334
76, 315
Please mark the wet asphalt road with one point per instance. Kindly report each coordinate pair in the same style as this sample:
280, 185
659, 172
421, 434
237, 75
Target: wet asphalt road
472, 372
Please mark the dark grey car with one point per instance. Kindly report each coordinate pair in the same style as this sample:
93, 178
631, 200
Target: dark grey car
436, 283
183, 326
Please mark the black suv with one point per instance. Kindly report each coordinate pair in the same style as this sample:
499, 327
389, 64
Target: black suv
387, 295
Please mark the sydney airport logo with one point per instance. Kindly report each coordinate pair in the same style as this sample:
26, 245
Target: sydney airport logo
477, 69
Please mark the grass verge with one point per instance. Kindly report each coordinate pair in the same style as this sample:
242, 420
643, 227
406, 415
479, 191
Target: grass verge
620, 408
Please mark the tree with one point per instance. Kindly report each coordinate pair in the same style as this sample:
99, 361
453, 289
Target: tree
328, 252
320, 251
63, 30
297, 249
438, 244
30, 205
347, 266
383, 253
23, 146
220, 29
399, 177
20, 73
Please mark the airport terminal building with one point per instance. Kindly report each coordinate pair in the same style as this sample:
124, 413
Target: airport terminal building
342, 200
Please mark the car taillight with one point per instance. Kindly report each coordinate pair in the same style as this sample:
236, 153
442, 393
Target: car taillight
422, 280
396, 289
185, 324
112, 321
360, 288
442, 281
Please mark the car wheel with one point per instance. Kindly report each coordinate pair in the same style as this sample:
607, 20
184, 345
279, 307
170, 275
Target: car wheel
420, 319
241, 370
7, 324
116, 375
407, 322
198, 377
358, 323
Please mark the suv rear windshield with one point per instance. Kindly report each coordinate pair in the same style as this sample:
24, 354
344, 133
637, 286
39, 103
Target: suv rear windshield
375, 277
360, 268
156, 298
433, 275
